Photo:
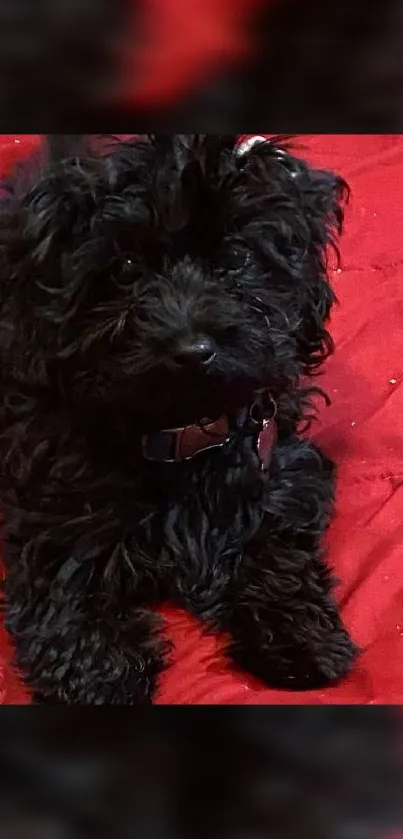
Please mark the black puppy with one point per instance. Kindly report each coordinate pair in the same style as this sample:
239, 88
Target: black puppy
163, 306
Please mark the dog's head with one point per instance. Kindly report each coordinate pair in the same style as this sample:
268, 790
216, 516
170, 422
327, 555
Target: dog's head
171, 278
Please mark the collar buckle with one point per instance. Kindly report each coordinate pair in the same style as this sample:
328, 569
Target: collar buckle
175, 445
262, 414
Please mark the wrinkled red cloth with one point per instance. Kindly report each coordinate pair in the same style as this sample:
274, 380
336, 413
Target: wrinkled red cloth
362, 431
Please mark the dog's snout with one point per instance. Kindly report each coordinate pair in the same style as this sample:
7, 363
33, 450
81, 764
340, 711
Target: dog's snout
199, 351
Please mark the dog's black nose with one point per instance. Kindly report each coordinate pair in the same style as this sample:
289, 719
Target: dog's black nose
200, 351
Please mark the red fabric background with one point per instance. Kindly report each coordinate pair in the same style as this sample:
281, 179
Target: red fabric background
363, 431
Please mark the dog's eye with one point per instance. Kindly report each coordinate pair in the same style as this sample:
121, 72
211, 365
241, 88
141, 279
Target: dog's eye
124, 272
128, 267
238, 260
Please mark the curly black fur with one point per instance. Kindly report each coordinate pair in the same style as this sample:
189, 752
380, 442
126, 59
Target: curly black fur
319, 773
108, 264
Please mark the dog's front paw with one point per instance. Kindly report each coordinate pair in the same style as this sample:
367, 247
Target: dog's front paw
299, 667
324, 664
335, 658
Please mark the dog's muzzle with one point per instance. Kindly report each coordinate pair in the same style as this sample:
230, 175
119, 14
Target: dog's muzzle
175, 445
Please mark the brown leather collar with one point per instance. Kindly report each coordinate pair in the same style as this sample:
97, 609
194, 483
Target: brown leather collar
175, 445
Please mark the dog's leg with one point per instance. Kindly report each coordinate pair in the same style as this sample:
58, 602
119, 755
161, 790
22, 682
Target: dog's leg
283, 620
91, 661
77, 640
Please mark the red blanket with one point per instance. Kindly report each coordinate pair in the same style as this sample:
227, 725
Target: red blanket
363, 431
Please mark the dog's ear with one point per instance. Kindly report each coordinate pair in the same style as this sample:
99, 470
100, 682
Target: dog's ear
322, 198
302, 209
44, 221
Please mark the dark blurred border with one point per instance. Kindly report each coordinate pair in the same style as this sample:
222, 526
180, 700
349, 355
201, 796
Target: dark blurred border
281, 772
314, 67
